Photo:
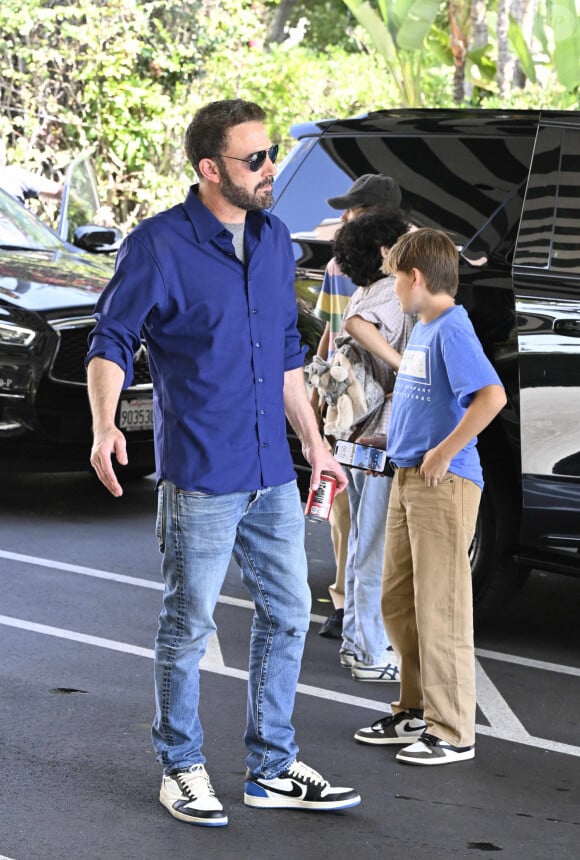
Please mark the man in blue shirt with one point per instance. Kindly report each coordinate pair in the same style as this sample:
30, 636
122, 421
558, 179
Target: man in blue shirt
209, 284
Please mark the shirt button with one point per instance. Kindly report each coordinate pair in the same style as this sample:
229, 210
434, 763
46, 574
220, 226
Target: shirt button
254, 311
262, 412
260, 379
258, 344
264, 444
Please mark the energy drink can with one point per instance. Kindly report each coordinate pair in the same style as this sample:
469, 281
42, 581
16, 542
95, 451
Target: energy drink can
320, 501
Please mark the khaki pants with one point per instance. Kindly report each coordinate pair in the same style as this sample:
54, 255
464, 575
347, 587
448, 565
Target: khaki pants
339, 529
427, 600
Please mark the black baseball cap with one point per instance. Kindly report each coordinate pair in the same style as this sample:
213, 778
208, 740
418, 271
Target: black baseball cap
371, 189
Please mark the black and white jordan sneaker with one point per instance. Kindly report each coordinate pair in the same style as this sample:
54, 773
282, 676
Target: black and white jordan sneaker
401, 728
299, 787
189, 796
430, 750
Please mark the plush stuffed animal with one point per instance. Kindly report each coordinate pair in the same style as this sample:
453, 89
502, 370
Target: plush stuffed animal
347, 385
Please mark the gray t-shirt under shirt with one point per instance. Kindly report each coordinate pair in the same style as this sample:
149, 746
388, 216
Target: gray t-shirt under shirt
237, 231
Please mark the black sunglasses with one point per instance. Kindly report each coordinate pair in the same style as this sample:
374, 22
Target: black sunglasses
256, 159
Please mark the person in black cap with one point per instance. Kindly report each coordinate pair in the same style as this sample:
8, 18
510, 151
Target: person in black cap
370, 192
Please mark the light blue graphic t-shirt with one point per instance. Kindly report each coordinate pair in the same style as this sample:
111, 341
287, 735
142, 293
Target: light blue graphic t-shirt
442, 368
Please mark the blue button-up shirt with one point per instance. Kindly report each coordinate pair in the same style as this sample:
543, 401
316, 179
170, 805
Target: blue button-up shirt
220, 336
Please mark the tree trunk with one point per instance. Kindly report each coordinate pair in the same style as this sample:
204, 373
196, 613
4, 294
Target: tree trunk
478, 26
525, 19
277, 31
516, 74
504, 69
478, 23
459, 25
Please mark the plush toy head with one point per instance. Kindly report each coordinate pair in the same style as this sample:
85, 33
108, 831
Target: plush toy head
342, 384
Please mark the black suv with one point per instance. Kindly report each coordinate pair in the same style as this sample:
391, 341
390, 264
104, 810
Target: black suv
506, 186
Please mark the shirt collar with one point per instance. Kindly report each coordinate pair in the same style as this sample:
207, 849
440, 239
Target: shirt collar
207, 226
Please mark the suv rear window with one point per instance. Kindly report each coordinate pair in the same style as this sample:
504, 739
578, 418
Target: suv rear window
458, 184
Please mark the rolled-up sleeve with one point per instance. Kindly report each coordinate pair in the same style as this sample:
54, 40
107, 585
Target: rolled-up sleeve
135, 288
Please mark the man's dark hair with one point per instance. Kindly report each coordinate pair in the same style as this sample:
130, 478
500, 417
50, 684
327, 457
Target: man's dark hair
207, 133
358, 243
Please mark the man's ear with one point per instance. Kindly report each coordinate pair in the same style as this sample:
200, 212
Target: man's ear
209, 170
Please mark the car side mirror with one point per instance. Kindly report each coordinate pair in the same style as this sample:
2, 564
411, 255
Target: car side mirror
96, 239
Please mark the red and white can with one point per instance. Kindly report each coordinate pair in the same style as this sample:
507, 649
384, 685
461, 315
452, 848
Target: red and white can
320, 500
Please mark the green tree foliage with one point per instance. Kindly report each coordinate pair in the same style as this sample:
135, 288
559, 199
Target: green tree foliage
398, 31
122, 78
413, 35
98, 76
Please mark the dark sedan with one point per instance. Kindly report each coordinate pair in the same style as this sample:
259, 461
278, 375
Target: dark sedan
48, 289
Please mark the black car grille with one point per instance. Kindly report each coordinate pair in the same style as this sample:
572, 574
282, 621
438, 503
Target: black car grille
68, 365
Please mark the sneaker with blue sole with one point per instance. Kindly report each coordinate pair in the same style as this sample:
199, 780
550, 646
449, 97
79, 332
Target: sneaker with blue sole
298, 787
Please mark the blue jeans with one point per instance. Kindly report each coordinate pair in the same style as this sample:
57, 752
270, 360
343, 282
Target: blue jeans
197, 534
363, 630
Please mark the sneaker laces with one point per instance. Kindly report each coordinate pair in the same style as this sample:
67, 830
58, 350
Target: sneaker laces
307, 774
194, 782
385, 721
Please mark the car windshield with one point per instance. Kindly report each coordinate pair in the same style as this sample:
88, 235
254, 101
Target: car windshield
20, 229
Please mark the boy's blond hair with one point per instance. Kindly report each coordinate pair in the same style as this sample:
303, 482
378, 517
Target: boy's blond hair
430, 251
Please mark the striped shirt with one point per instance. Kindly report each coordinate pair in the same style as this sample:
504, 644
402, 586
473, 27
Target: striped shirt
332, 300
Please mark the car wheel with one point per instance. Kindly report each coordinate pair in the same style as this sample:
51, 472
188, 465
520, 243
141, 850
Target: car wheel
496, 576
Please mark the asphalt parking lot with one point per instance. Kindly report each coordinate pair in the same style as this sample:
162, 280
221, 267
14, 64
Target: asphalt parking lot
80, 596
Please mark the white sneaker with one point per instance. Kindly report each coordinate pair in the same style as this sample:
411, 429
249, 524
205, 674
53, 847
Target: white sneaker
346, 658
189, 796
386, 670
401, 728
299, 787
431, 750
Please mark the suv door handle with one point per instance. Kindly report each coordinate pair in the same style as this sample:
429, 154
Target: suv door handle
569, 327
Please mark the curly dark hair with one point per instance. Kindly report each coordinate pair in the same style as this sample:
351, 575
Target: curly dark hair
358, 243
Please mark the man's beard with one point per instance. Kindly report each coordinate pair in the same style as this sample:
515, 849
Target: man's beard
238, 196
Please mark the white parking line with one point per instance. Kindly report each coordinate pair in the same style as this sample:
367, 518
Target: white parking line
138, 582
503, 723
212, 662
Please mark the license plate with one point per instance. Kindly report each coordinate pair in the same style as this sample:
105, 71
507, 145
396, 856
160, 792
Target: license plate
136, 415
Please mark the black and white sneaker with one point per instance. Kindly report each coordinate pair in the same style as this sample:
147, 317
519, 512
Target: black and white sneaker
299, 787
432, 750
398, 728
189, 796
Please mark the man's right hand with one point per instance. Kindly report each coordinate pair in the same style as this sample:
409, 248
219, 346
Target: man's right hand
107, 445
